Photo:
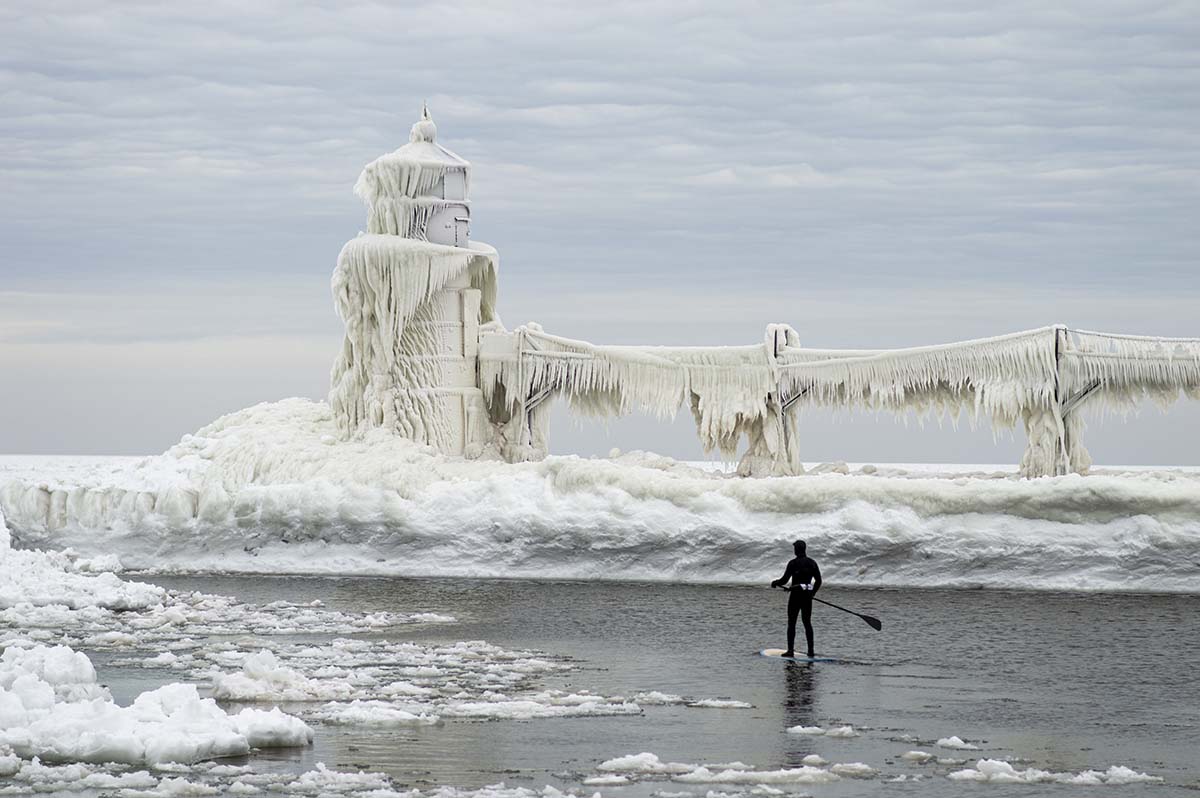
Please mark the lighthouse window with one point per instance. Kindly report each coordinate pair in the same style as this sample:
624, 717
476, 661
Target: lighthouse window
454, 184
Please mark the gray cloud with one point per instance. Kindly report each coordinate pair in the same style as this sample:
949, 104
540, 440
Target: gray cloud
178, 175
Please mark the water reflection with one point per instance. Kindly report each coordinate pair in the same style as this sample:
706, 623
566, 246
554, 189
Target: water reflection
1055, 693
799, 708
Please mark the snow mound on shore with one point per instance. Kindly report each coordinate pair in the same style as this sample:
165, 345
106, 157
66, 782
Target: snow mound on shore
272, 489
75, 581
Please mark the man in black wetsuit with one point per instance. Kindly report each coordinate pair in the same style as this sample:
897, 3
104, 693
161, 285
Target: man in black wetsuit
806, 581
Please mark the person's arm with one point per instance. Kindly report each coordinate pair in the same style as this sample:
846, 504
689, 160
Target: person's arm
787, 574
816, 578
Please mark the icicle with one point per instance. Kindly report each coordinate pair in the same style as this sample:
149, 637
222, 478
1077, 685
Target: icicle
389, 369
999, 377
728, 389
1122, 370
1025, 377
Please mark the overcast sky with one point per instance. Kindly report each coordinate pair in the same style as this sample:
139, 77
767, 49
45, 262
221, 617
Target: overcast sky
177, 184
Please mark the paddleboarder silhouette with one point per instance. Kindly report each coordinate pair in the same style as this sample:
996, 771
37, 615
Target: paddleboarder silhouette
805, 577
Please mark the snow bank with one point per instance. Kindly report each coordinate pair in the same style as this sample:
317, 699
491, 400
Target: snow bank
42, 579
52, 707
271, 488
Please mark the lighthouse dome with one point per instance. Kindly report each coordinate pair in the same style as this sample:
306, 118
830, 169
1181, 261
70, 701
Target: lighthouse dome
419, 191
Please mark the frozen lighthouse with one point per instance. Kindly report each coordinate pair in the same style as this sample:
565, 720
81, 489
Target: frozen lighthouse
412, 292
425, 358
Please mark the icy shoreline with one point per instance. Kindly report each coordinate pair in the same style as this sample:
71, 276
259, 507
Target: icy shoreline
61, 730
271, 490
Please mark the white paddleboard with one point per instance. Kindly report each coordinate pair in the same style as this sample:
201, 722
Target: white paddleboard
779, 652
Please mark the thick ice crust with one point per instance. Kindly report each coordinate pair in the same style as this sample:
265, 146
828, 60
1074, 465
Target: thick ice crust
389, 369
272, 489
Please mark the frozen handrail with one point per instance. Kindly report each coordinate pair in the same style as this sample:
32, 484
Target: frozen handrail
1036, 377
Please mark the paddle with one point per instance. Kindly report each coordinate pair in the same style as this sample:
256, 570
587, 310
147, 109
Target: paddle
872, 622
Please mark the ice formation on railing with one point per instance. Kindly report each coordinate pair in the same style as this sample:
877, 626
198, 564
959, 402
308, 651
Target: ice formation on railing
730, 390
1129, 368
998, 377
1007, 379
1037, 378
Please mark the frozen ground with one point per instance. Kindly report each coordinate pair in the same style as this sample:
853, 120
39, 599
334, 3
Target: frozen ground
271, 490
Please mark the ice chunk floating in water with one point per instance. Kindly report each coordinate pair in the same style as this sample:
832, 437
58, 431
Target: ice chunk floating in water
997, 771
53, 708
56, 597
957, 743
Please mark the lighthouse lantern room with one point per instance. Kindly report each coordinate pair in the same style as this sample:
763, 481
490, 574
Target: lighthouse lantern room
420, 190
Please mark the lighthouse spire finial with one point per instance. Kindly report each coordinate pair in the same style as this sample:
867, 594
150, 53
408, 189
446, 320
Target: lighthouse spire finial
424, 129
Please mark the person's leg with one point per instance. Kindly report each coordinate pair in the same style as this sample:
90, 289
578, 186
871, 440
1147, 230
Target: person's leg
793, 611
806, 615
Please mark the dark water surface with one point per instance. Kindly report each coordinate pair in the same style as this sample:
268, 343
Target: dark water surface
1064, 682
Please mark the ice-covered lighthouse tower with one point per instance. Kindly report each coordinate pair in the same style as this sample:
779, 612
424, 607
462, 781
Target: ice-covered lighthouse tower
412, 292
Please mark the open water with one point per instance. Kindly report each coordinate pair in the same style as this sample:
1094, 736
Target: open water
1060, 682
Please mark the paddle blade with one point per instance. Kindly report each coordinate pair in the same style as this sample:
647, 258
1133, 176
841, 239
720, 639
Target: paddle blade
874, 623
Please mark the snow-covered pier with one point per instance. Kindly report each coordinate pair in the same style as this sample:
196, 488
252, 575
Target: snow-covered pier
426, 357
1040, 378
